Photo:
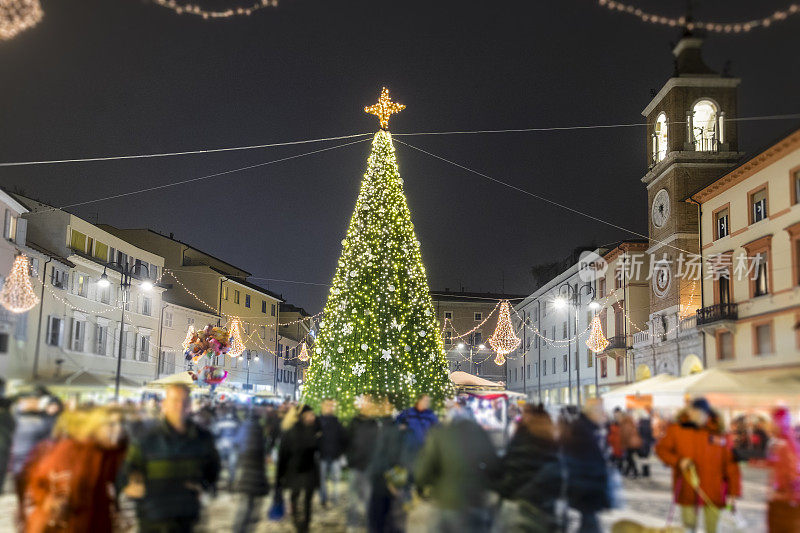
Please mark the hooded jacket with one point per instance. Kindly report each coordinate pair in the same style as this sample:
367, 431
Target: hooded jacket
709, 449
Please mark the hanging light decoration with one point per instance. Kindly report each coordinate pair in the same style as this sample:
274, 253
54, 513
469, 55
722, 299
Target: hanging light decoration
237, 344
504, 340
17, 294
17, 16
596, 342
303, 353
500, 360
188, 340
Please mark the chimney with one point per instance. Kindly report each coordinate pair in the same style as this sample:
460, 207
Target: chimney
171, 235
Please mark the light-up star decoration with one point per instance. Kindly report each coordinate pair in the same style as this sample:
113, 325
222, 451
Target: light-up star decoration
384, 109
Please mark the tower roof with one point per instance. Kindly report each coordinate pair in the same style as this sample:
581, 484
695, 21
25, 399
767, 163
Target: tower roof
689, 57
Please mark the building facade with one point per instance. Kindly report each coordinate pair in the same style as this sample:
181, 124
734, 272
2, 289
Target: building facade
296, 328
691, 139
750, 227
86, 319
196, 280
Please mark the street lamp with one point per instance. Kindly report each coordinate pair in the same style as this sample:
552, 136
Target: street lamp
126, 275
569, 295
472, 350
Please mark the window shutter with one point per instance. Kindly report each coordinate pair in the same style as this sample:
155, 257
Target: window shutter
22, 231
49, 327
60, 331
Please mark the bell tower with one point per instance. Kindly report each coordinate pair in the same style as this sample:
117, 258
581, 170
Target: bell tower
691, 138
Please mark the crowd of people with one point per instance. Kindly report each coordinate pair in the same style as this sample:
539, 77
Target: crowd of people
75, 469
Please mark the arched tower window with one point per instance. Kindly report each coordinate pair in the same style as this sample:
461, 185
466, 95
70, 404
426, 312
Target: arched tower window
660, 138
705, 127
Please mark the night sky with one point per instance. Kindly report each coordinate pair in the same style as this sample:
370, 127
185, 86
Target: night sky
114, 77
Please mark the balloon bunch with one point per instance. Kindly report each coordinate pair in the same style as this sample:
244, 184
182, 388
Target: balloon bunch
208, 342
211, 376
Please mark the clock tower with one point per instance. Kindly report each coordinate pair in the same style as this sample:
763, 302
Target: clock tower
691, 138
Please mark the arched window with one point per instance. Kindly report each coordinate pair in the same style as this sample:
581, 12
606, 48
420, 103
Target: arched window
660, 138
704, 126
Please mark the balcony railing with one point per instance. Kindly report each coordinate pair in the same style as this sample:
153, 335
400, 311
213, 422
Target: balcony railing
688, 323
617, 342
641, 337
717, 313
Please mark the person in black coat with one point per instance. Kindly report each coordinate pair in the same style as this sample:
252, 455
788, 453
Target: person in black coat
331, 448
250, 479
362, 434
587, 475
298, 467
531, 474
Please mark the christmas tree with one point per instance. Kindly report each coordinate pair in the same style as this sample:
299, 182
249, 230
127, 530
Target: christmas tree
379, 332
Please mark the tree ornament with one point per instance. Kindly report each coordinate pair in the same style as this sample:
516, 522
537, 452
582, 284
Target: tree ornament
387, 354
596, 342
358, 369
504, 340
17, 16
384, 109
17, 294
237, 344
188, 340
364, 347
340, 349
303, 353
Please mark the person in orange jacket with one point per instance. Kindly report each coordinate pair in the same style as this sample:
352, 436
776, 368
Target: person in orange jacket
697, 442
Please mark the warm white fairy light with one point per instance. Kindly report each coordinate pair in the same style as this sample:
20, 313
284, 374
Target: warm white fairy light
717, 27
504, 340
194, 9
17, 294
596, 342
237, 344
17, 16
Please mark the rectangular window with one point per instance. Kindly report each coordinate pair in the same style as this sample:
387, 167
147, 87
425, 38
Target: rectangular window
619, 366
58, 278
725, 345
528, 372
722, 223
100, 338
601, 287
225, 293
247, 300
122, 257
448, 338
536, 341
478, 317
81, 284
3, 342
78, 241
144, 348
536, 370
477, 338
604, 367
168, 319
55, 328
448, 315
263, 331
273, 310
101, 251
761, 286
565, 364
147, 306
796, 185
236, 296
724, 290
554, 365
589, 358
763, 334
758, 205
264, 306
564, 330
78, 331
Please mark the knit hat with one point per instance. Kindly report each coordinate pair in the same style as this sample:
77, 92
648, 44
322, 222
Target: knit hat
701, 404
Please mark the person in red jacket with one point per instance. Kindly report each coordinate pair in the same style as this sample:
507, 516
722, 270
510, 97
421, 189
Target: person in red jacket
783, 456
70, 484
696, 442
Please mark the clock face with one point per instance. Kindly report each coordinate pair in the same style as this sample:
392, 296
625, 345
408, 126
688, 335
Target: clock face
662, 278
660, 212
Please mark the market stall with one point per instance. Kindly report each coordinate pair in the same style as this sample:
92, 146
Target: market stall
488, 401
635, 395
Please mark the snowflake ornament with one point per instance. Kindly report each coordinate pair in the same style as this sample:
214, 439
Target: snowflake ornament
347, 329
387, 354
411, 378
364, 347
423, 333
340, 349
396, 325
407, 348
359, 368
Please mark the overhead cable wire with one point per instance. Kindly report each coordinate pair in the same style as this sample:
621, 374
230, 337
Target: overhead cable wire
198, 178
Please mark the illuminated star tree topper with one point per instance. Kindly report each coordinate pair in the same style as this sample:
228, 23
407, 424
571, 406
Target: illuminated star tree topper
384, 109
